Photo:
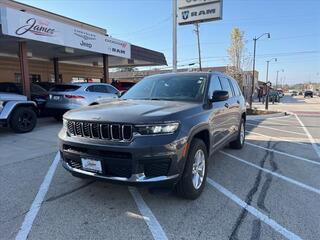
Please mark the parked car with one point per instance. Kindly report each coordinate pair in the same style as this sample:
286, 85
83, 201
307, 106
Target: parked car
274, 96
294, 93
280, 92
46, 85
38, 94
17, 112
308, 93
64, 97
162, 131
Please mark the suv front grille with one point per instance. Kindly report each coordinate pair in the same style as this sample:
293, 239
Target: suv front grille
116, 132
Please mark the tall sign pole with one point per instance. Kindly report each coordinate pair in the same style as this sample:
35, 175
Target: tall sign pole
174, 36
199, 49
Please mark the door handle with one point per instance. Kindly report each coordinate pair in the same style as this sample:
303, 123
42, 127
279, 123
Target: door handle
226, 105
238, 101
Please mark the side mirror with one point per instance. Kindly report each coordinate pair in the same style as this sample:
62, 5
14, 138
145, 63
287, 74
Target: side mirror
219, 96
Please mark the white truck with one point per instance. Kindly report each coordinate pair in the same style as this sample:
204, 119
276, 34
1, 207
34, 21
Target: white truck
17, 112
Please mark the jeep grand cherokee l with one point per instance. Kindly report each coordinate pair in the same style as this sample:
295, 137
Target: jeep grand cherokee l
163, 130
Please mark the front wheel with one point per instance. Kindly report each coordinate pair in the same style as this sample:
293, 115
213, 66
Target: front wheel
23, 120
194, 176
239, 142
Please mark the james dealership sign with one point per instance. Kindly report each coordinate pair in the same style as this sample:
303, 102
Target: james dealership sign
24, 25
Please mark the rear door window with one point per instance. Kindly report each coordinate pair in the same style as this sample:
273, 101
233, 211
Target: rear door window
226, 86
98, 88
64, 88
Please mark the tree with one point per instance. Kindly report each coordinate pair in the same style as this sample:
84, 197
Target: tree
236, 54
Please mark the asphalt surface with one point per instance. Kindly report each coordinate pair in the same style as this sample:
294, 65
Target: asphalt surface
268, 190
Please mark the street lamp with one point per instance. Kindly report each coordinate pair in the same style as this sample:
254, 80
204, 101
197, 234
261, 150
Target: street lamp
254, 64
282, 70
267, 79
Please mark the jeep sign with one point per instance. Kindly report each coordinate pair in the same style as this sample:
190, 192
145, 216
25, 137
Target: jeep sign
203, 11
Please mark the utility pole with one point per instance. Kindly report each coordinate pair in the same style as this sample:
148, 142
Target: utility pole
254, 64
174, 36
199, 49
277, 79
267, 84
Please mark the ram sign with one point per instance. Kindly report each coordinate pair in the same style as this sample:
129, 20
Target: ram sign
196, 11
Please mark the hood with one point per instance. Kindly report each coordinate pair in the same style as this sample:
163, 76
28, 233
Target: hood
12, 97
133, 111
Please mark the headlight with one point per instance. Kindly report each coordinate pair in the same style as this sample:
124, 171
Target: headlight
166, 128
1, 105
65, 123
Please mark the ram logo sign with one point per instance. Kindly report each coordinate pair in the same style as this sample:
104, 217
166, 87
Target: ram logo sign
196, 11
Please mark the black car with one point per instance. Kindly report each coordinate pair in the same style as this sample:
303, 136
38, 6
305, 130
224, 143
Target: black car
308, 94
38, 94
163, 130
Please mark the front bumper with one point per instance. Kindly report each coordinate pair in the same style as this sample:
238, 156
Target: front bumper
145, 160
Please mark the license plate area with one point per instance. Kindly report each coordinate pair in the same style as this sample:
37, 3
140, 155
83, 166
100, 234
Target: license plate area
91, 165
56, 98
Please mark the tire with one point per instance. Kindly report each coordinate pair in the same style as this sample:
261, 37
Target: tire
186, 187
58, 117
241, 137
23, 120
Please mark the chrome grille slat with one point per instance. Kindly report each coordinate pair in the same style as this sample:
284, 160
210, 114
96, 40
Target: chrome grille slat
105, 131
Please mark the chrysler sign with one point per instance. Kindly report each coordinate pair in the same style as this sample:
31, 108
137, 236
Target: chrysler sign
195, 11
29, 26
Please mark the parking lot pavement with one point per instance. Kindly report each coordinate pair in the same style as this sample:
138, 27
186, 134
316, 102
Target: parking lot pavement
268, 190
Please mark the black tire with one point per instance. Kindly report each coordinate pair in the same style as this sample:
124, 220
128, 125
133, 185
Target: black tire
185, 187
23, 120
58, 117
239, 142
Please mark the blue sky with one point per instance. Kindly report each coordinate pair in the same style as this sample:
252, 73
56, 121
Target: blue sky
294, 26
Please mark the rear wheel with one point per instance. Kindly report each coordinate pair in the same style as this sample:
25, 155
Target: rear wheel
239, 142
23, 120
194, 176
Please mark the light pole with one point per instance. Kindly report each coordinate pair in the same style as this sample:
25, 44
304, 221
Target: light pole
267, 77
199, 49
174, 36
282, 70
267, 84
254, 63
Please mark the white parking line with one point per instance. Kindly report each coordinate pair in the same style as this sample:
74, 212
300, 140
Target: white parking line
264, 218
283, 153
280, 130
149, 218
290, 180
274, 123
283, 139
313, 142
37, 202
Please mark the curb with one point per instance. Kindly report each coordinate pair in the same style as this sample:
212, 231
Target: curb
265, 116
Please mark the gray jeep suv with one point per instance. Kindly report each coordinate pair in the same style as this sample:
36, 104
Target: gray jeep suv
163, 130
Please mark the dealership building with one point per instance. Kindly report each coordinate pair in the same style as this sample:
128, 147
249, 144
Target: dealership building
40, 46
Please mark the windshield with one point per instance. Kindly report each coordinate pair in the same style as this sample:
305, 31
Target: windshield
169, 87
